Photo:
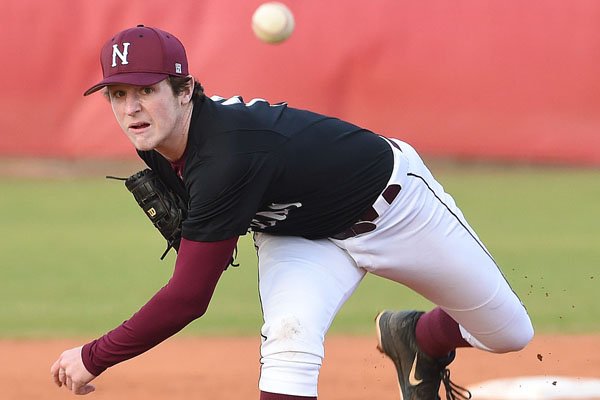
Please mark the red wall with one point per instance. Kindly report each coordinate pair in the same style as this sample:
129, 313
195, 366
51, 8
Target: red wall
499, 79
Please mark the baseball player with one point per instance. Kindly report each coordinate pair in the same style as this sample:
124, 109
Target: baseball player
326, 201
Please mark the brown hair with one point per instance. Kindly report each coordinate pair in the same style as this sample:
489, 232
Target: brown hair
178, 84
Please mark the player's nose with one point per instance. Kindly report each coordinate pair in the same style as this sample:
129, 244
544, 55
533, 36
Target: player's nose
132, 104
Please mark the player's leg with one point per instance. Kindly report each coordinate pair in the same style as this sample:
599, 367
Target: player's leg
427, 244
302, 286
424, 242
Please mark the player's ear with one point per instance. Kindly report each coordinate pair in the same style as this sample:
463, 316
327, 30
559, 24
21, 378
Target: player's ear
188, 91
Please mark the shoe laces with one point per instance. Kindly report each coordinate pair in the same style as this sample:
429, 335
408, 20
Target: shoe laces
454, 391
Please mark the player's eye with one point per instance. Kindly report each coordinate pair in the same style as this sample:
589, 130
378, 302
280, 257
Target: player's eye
117, 94
147, 90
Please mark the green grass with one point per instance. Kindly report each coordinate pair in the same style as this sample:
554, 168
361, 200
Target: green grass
78, 256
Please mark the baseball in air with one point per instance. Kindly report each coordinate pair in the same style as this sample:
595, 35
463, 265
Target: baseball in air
273, 22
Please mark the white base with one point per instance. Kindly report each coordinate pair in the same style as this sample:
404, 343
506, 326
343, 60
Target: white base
537, 388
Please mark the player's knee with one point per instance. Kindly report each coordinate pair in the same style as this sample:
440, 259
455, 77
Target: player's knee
522, 339
291, 334
512, 335
516, 339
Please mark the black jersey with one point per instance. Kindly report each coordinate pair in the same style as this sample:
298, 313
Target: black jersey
275, 169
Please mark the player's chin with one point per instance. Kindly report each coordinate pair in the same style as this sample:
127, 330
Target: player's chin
142, 144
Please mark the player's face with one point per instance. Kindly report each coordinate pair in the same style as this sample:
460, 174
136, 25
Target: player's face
152, 117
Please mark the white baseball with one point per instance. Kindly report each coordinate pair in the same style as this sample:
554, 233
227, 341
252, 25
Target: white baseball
273, 22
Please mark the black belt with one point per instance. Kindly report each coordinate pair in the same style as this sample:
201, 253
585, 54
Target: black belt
365, 222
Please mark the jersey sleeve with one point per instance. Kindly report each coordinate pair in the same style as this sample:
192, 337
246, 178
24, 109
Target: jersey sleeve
225, 194
184, 298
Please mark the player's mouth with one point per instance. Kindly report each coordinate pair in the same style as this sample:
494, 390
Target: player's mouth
138, 127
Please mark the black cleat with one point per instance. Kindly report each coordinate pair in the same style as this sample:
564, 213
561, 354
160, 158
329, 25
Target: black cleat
418, 374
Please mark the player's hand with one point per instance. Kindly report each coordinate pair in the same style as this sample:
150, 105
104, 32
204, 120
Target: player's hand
70, 372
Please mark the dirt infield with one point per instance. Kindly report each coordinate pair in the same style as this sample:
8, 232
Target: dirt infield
227, 368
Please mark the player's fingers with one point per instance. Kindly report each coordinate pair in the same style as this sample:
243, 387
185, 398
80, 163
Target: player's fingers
69, 383
54, 372
62, 376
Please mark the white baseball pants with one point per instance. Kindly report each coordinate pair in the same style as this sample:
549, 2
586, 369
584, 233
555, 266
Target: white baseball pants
422, 241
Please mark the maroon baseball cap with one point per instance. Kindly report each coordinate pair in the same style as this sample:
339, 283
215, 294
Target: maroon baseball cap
140, 56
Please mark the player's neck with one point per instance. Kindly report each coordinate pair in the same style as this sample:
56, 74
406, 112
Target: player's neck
174, 148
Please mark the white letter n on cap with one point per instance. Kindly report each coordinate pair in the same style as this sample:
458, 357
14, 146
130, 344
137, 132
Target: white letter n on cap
117, 53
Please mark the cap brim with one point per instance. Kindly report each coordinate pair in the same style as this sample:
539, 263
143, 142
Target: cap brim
131, 78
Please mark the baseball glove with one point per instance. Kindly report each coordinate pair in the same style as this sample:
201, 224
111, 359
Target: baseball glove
163, 206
